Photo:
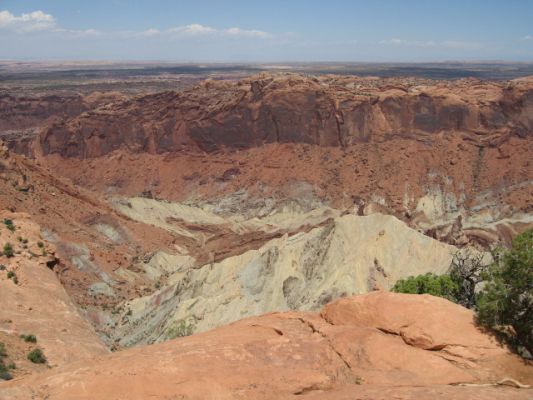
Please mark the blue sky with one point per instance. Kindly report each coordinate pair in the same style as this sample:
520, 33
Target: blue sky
265, 31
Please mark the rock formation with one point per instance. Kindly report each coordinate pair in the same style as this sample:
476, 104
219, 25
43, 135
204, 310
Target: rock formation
326, 111
358, 346
165, 214
348, 255
34, 301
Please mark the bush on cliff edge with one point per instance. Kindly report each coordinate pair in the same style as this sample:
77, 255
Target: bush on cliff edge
505, 302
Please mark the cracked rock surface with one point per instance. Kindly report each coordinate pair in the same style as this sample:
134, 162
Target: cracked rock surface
358, 346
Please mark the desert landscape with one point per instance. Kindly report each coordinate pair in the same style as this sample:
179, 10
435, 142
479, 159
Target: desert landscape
228, 230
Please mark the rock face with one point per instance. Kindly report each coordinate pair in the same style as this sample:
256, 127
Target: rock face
22, 116
327, 111
27, 112
347, 255
451, 158
359, 346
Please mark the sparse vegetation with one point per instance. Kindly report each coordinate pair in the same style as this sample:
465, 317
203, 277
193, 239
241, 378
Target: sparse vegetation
8, 250
2, 267
11, 275
29, 338
182, 329
9, 224
466, 272
36, 356
40, 244
441, 286
4, 373
505, 302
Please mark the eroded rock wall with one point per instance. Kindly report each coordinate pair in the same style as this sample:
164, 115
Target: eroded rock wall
327, 111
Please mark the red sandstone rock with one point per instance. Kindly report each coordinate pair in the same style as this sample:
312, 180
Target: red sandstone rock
346, 353
328, 111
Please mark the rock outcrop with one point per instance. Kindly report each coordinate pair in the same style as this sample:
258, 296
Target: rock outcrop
327, 111
33, 301
18, 113
345, 256
363, 346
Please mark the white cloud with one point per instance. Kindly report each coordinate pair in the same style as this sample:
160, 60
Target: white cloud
456, 44
150, 32
30, 22
450, 44
90, 32
193, 29
198, 29
412, 43
246, 33
79, 33
40, 21
528, 37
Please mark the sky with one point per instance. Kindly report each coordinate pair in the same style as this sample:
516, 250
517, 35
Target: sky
267, 30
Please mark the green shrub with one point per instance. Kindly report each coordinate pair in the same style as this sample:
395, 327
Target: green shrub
36, 356
40, 245
8, 250
441, 286
4, 374
182, 329
11, 275
507, 297
505, 302
29, 338
2, 267
9, 224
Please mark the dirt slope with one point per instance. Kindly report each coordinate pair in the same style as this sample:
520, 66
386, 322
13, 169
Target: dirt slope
34, 302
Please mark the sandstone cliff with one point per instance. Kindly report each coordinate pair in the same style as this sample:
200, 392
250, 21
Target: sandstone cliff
328, 111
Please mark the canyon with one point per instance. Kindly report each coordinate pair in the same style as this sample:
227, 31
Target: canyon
265, 217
